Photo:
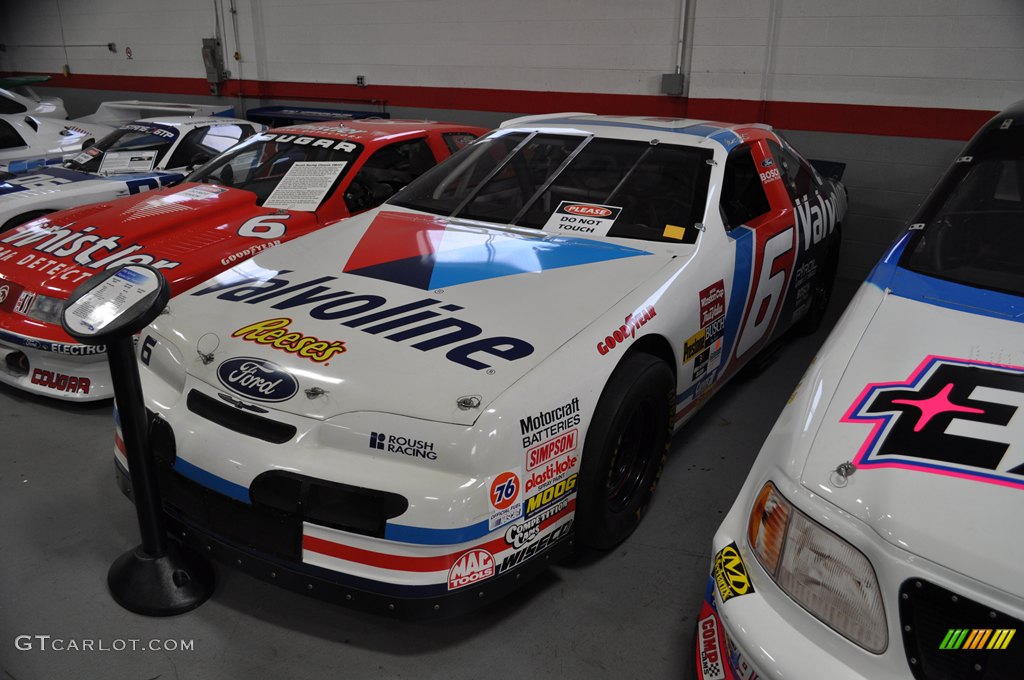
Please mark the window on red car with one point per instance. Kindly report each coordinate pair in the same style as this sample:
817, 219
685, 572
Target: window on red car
389, 169
456, 141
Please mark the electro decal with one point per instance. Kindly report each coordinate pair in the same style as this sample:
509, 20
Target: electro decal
951, 416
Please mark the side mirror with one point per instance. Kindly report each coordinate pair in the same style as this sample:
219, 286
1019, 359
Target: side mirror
199, 159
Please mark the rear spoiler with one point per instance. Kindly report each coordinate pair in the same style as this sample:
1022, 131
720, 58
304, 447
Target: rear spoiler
829, 169
126, 111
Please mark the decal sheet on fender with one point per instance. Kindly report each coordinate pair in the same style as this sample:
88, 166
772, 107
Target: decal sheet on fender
587, 219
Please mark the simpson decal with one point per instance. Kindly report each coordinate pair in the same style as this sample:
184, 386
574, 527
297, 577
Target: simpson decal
582, 218
556, 447
951, 416
730, 574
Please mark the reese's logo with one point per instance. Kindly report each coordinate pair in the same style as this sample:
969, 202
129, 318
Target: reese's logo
730, 573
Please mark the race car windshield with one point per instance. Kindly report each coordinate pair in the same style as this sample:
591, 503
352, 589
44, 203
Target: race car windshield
571, 184
129, 148
976, 235
279, 168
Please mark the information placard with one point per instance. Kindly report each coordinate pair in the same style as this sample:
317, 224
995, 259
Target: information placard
305, 185
117, 162
112, 298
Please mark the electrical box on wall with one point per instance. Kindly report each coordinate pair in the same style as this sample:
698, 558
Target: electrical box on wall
213, 60
672, 84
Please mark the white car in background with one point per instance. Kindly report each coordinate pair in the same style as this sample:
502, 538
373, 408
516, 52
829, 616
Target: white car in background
28, 142
139, 156
878, 534
27, 102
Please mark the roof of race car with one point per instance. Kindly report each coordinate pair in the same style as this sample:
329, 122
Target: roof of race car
367, 130
728, 135
189, 121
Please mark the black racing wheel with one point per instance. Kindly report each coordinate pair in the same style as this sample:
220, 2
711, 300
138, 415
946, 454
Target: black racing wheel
625, 450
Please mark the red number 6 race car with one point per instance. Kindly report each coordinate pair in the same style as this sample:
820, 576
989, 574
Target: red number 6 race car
263, 192
408, 408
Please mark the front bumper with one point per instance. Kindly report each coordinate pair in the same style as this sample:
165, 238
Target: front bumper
66, 371
339, 588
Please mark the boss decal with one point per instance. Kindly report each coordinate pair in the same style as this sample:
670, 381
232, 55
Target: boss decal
730, 574
257, 379
951, 416
275, 332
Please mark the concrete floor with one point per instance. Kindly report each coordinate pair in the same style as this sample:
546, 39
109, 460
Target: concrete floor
626, 614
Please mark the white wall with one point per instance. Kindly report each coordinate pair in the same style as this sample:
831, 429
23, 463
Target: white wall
922, 53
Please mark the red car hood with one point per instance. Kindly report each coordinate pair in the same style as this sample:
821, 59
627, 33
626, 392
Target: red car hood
189, 232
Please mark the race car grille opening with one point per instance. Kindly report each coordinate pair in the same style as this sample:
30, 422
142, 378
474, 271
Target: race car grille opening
262, 529
17, 363
949, 637
238, 420
340, 506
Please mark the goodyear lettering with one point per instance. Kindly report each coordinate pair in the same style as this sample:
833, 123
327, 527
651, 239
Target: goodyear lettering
626, 330
248, 252
547, 424
89, 250
373, 315
60, 381
275, 332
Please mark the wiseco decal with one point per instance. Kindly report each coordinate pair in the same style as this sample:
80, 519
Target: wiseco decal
626, 330
275, 332
89, 250
371, 313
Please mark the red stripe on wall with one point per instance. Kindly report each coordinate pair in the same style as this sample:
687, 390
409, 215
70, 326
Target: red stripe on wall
900, 121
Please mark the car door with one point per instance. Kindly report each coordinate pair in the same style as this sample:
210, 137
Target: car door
757, 211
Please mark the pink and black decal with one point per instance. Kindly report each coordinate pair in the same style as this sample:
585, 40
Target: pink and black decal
951, 416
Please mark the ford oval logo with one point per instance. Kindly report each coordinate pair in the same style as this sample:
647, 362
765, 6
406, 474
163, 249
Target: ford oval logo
257, 379
588, 210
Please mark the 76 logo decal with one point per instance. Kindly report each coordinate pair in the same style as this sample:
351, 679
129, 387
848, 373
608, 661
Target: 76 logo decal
951, 416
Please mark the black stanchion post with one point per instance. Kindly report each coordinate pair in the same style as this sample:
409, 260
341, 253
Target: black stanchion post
160, 577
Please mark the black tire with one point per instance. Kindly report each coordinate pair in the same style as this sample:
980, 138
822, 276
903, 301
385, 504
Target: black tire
822, 292
625, 450
22, 219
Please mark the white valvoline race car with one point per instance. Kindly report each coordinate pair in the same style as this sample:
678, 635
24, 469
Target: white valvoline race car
423, 404
28, 142
139, 156
879, 532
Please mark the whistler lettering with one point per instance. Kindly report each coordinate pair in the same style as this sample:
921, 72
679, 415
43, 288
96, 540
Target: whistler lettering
274, 332
370, 313
83, 247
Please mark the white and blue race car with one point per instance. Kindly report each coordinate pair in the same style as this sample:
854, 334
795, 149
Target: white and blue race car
138, 156
878, 534
416, 407
32, 141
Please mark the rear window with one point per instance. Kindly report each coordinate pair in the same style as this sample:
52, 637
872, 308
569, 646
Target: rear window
569, 184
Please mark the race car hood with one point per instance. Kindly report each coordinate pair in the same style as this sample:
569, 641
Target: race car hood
399, 312
930, 411
189, 232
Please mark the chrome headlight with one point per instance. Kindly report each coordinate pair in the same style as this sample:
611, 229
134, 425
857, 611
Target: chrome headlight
45, 308
823, 573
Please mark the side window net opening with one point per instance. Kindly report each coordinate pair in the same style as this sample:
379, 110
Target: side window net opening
743, 198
